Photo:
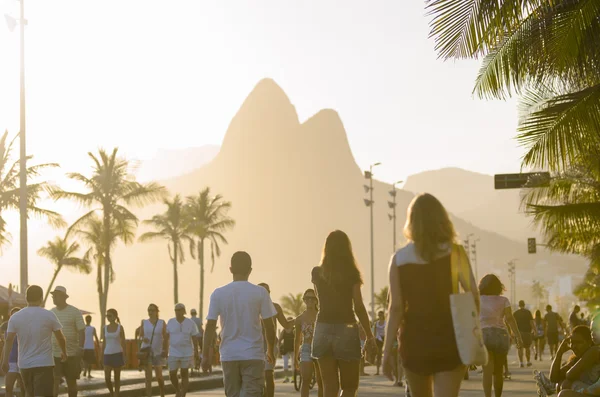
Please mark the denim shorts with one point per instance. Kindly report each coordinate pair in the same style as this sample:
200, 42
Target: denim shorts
496, 340
340, 341
306, 353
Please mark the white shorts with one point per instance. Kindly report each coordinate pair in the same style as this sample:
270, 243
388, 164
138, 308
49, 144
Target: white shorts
13, 368
176, 363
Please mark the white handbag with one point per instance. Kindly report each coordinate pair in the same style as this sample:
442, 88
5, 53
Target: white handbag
465, 316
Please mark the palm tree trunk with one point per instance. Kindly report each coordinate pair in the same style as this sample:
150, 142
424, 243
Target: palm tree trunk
175, 275
51, 284
100, 294
201, 261
107, 267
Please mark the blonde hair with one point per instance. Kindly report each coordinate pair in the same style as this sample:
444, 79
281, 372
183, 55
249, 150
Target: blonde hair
428, 226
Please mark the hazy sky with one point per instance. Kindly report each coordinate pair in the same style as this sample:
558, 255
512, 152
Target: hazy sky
152, 74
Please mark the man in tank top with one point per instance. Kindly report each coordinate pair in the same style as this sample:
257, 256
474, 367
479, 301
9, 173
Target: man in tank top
89, 347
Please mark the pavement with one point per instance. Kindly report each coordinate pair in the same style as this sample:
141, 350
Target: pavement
132, 384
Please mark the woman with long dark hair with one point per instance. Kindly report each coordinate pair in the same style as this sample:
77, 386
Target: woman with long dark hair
539, 338
336, 341
420, 276
153, 335
305, 329
113, 346
495, 315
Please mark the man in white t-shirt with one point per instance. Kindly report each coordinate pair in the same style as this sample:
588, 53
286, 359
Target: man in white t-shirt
73, 329
33, 327
183, 348
240, 306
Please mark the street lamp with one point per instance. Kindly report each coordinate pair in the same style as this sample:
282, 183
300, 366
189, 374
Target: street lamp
512, 275
11, 23
392, 216
369, 203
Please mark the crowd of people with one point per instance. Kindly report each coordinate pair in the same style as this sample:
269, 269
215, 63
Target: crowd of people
331, 339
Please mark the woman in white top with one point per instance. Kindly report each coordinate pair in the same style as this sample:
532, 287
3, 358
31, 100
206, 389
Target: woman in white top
113, 347
153, 332
379, 337
494, 315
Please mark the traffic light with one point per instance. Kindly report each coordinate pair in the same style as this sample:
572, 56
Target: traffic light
531, 246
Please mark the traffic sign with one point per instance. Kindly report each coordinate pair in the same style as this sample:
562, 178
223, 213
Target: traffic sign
518, 181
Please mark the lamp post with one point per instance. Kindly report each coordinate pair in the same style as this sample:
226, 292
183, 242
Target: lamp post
392, 216
369, 203
512, 275
12, 22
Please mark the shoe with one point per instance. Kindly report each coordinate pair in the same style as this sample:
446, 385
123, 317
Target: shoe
286, 380
544, 385
521, 365
507, 376
400, 383
529, 364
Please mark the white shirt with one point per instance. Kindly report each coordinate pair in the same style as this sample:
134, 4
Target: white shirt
380, 330
491, 313
113, 341
34, 327
89, 337
180, 337
240, 305
157, 340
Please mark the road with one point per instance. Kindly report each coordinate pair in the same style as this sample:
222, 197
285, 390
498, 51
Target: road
521, 385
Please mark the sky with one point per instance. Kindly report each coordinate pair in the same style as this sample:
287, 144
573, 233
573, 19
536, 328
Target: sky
146, 75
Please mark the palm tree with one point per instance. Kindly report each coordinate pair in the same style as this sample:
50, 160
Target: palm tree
292, 304
171, 226
546, 51
110, 189
9, 188
539, 292
62, 255
381, 299
208, 220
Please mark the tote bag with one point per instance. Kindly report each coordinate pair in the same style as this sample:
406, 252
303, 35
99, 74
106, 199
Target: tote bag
465, 317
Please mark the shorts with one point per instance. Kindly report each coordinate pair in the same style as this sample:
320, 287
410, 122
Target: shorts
89, 356
13, 368
268, 365
496, 340
552, 338
176, 363
244, 378
527, 339
38, 381
157, 360
340, 341
114, 360
306, 353
70, 369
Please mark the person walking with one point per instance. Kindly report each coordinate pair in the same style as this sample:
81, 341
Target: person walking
420, 285
113, 348
12, 376
305, 328
33, 327
526, 326
198, 321
240, 306
286, 348
182, 335
89, 347
73, 329
336, 341
379, 338
540, 337
574, 319
496, 312
552, 323
153, 333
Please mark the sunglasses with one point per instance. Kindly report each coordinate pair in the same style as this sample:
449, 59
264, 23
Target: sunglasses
310, 298
151, 310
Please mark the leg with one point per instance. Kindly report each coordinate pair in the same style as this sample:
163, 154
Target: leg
528, 354
158, 371
488, 375
252, 376
420, 385
379, 354
286, 363
269, 384
174, 380
447, 384
9, 383
499, 360
72, 387
520, 353
306, 369
108, 380
331, 380
58, 374
117, 381
185, 381
349, 375
319, 379
148, 376
232, 379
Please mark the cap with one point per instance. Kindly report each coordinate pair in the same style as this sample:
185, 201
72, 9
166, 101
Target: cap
180, 306
60, 289
193, 311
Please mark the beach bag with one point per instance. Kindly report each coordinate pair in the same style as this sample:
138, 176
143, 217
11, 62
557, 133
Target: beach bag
144, 354
465, 317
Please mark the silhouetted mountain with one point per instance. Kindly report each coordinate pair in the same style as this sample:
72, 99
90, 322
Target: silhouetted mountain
290, 183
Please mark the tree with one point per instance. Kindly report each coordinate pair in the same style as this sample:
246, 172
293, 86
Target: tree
381, 299
109, 190
208, 220
9, 188
62, 255
539, 292
171, 226
292, 304
546, 51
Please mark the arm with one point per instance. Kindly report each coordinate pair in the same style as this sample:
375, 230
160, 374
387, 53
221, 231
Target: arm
210, 332
269, 325
281, 318
589, 359
361, 311
395, 308
140, 335
195, 342
10, 338
510, 321
103, 342
96, 336
123, 342
533, 327
297, 340
558, 373
62, 342
165, 346
80, 325
467, 279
